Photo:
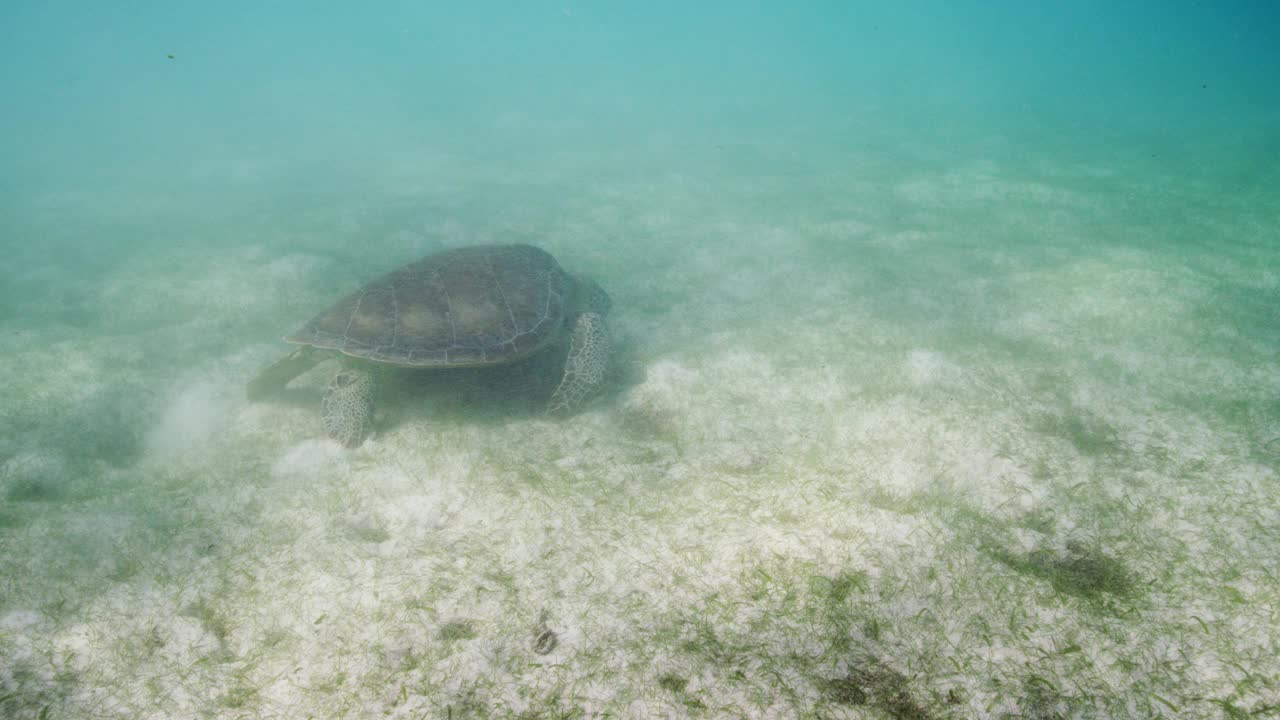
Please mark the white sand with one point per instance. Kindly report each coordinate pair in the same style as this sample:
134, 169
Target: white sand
933, 440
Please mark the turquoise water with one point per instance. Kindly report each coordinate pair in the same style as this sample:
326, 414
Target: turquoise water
946, 379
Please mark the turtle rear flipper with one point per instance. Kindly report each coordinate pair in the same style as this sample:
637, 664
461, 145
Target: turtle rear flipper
585, 366
273, 378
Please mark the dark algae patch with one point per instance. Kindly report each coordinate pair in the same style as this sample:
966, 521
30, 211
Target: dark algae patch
672, 683
676, 685
1075, 567
1080, 570
1089, 435
871, 682
457, 630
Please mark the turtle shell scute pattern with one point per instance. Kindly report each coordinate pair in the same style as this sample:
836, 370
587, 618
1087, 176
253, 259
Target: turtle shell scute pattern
465, 307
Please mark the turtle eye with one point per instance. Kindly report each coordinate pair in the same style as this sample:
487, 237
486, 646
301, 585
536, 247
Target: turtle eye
342, 380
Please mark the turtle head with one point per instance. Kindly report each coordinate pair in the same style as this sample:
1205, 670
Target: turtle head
590, 297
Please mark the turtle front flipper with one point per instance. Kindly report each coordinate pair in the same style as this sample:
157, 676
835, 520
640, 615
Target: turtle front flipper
585, 366
273, 378
346, 410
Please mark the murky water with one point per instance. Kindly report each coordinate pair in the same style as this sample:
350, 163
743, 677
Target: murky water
944, 383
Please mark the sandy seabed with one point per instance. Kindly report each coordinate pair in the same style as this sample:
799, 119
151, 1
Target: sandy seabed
935, 438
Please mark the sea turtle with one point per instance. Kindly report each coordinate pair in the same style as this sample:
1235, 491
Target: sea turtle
467, 307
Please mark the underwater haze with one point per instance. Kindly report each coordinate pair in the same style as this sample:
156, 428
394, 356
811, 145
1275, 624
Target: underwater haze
945, 373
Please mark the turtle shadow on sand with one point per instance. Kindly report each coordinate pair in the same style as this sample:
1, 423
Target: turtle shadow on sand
305, 398
483, 395
494, 328
493, 395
